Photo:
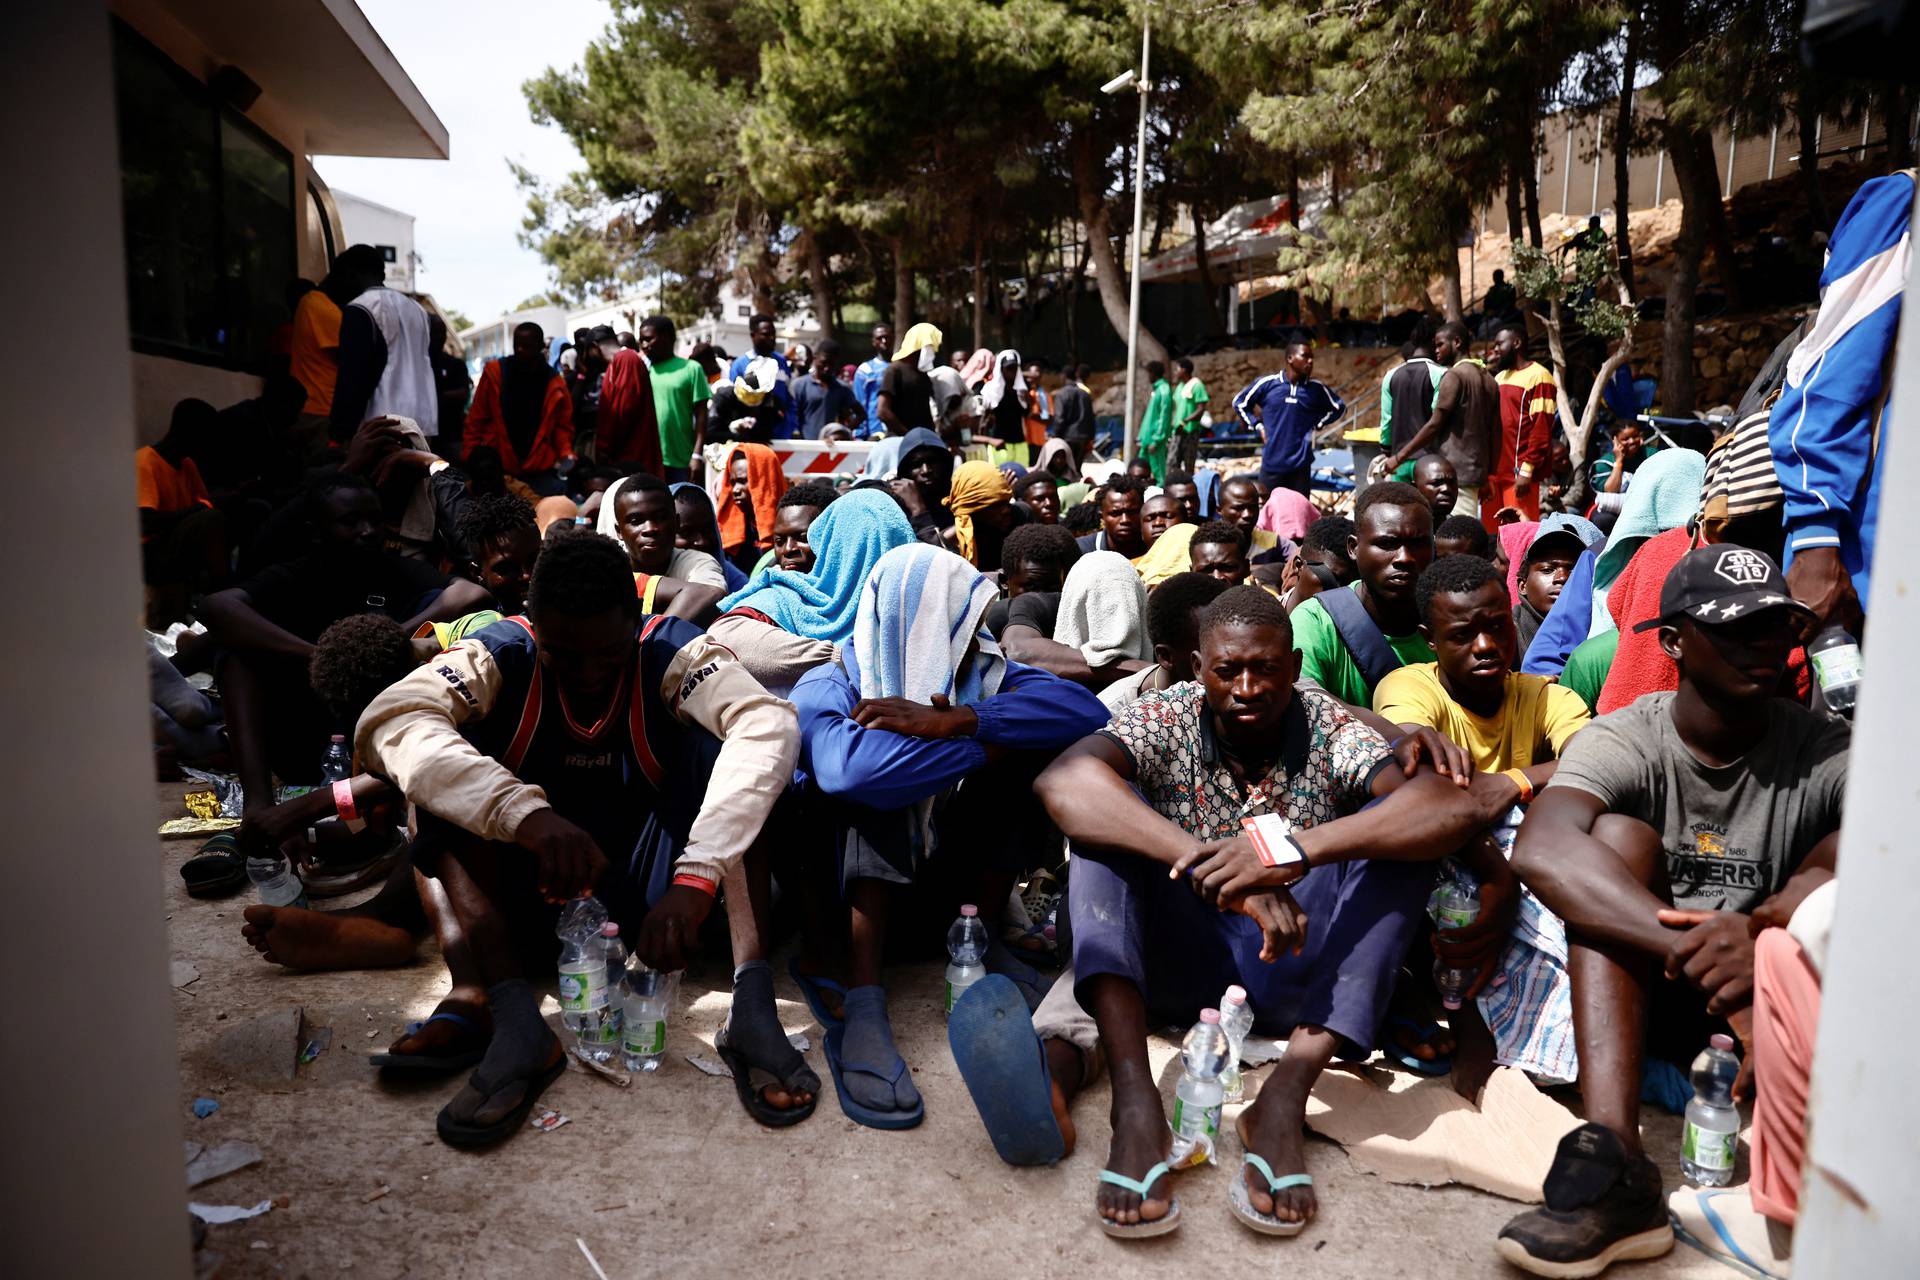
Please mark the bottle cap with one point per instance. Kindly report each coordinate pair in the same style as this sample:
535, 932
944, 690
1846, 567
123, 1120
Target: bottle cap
1210, 1015
1236, 995
609, 930
969, 911
1724, 1043
339, 737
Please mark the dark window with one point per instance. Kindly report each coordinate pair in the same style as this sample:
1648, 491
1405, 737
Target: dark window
208, 205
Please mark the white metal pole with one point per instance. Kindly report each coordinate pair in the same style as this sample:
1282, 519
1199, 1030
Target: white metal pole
1139, 209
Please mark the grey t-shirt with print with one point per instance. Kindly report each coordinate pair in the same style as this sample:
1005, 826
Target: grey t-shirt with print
1732, 834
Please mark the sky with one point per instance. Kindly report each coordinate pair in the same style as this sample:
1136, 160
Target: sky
469, 58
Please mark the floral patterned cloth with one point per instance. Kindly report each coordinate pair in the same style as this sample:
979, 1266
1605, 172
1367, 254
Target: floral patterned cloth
1325, 770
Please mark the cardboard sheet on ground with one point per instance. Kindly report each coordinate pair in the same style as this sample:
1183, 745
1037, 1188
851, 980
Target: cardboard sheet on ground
1418, 1130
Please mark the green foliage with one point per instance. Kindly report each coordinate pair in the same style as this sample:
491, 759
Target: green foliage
1582, 282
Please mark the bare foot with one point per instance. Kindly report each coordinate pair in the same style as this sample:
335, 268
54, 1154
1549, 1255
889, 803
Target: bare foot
447, 1038
1064, 1077
301, 938
1273, 1128
1141, 1140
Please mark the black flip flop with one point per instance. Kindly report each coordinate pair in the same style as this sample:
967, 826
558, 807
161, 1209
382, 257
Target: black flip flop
458, 1134
218, 870
749, 1089
430, 1063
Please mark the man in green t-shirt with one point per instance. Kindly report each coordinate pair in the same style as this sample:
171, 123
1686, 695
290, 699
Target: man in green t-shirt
680, 396
1156, 425
1189, 406
1392, 543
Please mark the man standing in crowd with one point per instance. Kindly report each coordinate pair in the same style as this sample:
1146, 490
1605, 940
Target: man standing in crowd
522, 410
906, 387
1527, 407
866, 381
385, 370
680, 395
1406, 402
1189, 407
1288, 409
627, 420
760, 331
452, 385
1465, 423
819, 397
316, 345
1073, 419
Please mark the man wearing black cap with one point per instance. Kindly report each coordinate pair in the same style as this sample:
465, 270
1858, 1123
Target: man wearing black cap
1667, 824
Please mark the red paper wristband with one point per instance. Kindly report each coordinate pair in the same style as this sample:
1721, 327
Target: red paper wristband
705, 886
343, 801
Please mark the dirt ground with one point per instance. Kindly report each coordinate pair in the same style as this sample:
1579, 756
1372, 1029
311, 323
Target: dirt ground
671, 1175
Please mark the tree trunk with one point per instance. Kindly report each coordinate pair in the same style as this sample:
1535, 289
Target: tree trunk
902, 288
1513, 199
1216, 321
1697, 190
1450, 301
1530, 194
1622, 152
1896, 108
1076, 285
1719, 229
819, 282
1808, 120
1108, 277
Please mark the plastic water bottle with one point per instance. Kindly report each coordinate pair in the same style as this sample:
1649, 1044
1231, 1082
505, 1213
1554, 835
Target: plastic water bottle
646, 997
966, 948
1454, 904
1837, 664
1199, 1095
278, 885
1236, 1020
1713, 1123
614, 953
585, 994
337, 764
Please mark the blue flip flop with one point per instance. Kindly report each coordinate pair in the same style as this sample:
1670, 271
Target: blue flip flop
856, 1111
1241, 1200
811, 986
1005, 1066
1143, 1230
1439, 1066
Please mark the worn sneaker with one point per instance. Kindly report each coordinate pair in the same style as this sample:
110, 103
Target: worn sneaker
1603, 1206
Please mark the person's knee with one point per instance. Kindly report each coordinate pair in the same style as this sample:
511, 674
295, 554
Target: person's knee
1638, 845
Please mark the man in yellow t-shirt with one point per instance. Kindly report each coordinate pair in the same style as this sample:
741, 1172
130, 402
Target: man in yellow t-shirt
1515, 727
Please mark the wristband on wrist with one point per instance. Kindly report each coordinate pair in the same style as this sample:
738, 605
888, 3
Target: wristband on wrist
1273, 841
1519, 777
343, 801
708, 887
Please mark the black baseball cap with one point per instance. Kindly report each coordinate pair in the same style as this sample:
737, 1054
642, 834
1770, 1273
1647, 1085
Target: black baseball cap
1718, 584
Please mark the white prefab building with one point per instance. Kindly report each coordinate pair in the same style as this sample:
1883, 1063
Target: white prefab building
390, 231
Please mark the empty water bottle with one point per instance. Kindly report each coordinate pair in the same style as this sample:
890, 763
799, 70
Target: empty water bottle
337, 764
1198, 1097
646, 996
1713, 1123
1837, 664
1454, 904
966, 948
615, 953
585, 995
275, 880
1236, 1020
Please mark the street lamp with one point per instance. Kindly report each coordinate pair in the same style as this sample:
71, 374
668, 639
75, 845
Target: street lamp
1139, 83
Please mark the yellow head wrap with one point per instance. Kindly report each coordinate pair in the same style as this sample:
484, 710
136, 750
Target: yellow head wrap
976, 486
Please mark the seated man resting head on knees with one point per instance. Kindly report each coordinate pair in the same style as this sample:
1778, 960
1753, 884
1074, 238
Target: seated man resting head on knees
1667, 826
589, 750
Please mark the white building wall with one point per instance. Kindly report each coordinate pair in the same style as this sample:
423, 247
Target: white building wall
388, 230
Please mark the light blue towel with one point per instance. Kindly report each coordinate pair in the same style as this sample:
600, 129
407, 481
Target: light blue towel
848, 540
921, 610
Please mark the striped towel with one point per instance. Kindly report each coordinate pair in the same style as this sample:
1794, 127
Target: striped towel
921, 610
1740, 477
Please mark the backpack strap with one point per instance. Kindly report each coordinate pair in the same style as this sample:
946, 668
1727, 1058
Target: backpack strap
1361, 634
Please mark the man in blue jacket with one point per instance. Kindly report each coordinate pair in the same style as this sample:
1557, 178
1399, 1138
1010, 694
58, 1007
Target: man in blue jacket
1287, 409
922, 742
760, 330
1826, 428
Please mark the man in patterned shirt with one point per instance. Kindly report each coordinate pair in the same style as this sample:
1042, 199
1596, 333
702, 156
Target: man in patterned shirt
1311, 912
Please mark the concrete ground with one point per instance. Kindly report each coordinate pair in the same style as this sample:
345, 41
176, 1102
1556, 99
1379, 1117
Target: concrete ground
671, 1175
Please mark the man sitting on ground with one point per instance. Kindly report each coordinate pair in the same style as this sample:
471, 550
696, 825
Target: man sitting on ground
1667, 826
1323, 561
1462, 536
667, 757
642, 516
1219, 550
1166, 786
501, 542
1240, 506
1350, 639
799, 507
922, 742
1120, 519
1174, 610
1040, 490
